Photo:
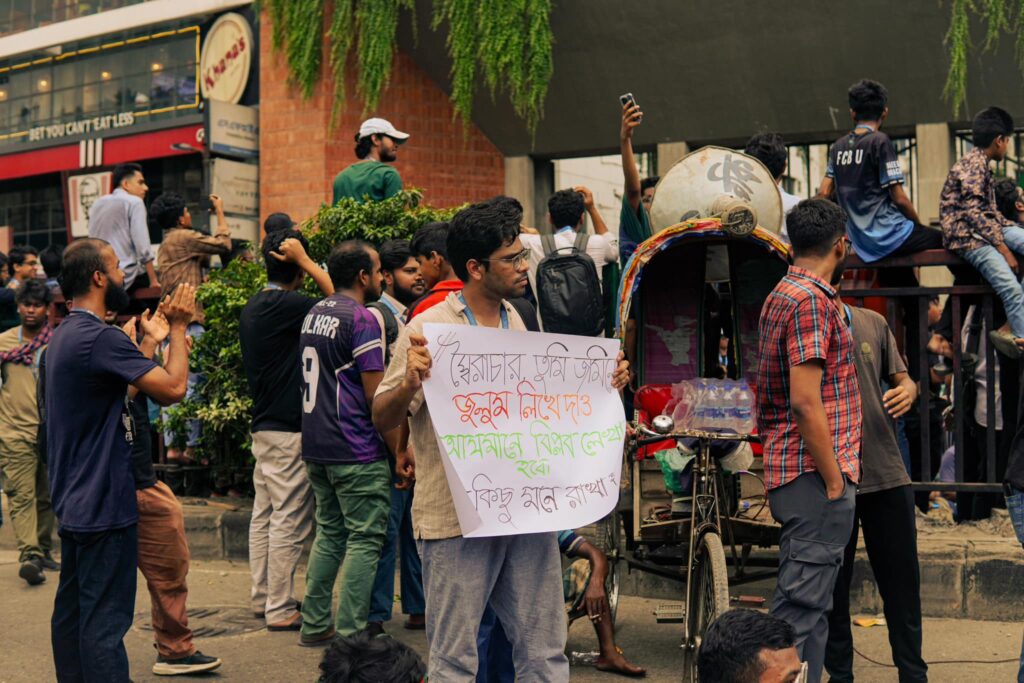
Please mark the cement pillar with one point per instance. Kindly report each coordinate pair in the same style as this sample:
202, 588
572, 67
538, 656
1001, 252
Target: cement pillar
934, 159
935, 155
519, 182
669, 153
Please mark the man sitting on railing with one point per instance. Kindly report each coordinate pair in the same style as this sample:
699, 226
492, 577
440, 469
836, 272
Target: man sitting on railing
974, 228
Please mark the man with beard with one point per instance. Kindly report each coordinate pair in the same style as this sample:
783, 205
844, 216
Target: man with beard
809, 419
89, 445
26, 481
346, 459
403, 285
519, 575
371, 179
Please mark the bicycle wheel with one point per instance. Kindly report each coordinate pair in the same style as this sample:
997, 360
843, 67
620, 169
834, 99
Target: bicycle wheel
709, 597
611, 540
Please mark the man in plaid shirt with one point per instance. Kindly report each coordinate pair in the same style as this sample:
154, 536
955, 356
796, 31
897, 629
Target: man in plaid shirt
809, 419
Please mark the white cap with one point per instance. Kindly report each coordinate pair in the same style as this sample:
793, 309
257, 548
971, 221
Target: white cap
381, 127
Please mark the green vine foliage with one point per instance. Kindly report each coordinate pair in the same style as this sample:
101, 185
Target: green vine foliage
511, 40
1000, 17
222, 400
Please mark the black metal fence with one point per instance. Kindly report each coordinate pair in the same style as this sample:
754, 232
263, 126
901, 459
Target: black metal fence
900, 301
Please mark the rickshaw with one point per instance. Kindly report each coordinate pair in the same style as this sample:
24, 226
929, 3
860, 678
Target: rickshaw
683, 285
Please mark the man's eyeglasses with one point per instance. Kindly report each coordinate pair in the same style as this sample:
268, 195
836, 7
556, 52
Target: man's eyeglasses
514, 260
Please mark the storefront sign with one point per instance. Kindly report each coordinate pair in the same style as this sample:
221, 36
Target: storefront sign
238, 185
226, 59
83, 191
82, 126
234, 129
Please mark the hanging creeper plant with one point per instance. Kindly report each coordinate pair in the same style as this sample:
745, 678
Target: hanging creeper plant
509, 39
1000, 16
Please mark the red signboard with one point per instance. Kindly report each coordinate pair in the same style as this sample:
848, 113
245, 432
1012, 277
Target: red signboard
114, 150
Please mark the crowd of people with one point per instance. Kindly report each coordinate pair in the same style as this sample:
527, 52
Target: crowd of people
344, 447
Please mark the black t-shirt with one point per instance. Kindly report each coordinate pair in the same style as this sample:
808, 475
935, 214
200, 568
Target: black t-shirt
142, 446
269, 333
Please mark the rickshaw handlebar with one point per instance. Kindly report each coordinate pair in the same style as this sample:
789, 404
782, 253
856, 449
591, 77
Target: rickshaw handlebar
651, 436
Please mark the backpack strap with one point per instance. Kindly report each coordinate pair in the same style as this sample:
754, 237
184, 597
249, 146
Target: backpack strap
390, 327
547, 242
580, 245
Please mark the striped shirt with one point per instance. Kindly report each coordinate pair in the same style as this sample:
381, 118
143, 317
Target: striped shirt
800, 322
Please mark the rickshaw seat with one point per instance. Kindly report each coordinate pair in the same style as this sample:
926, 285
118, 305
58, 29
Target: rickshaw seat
650, 401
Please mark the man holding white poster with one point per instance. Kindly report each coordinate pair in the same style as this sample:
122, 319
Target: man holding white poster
466, 563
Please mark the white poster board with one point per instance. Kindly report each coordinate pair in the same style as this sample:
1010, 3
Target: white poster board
83, 191
238, 185
530, 429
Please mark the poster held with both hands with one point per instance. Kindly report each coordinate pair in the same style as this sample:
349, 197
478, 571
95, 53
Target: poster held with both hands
529, 426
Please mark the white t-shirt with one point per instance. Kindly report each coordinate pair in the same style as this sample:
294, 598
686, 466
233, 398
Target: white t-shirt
602, 248
788, 202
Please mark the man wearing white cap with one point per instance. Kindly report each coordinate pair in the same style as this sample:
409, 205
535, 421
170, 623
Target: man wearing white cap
371, 179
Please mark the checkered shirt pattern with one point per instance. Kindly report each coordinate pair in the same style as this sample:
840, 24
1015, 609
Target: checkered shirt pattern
801, 321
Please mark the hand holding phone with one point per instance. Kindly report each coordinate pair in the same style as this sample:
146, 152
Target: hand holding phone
631, 115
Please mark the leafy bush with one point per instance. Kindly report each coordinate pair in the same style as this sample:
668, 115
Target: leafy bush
222, 401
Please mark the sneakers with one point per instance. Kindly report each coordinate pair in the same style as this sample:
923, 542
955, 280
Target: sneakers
196, 663
50, 564
317, 639
32, 571
374, 628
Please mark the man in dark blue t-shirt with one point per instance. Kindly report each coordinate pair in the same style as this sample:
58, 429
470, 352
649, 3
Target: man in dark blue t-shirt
346, 459
865, 176
89, 436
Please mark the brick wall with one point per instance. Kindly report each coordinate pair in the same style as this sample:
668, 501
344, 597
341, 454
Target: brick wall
300, 154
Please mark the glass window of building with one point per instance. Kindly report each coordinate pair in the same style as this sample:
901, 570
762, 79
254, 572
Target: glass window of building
23, 15
150, 76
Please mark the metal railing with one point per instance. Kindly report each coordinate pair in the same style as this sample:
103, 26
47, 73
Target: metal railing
960, 296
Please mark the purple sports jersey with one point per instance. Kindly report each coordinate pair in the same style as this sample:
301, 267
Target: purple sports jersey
340, 340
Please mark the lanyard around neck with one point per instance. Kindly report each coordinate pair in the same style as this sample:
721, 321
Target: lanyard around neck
472, 318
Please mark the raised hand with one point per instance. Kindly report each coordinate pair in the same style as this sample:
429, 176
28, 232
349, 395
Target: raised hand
155, 326
180, 307
631, 118
290, 251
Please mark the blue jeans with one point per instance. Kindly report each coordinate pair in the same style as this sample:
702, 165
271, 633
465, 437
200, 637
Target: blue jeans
94, 606
195, 427
996, 271
399, 534
494, 651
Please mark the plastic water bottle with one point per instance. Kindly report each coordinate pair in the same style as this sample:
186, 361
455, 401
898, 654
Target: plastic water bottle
744, 412
716, 406
729, 401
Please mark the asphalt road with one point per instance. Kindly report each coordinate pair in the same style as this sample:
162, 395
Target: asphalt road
252, 654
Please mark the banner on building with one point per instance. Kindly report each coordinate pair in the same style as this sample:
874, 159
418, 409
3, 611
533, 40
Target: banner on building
83, 190
237, 184
530, 429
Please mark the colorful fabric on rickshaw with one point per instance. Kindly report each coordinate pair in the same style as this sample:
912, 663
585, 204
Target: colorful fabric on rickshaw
710, 227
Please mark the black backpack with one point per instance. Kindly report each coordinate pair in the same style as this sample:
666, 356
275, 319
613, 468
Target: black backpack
568, 291
390, 327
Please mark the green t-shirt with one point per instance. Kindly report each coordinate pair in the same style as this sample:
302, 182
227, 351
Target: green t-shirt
634, 228
373, 179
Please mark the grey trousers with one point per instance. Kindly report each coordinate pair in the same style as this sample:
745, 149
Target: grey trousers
815, 531
521, 578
